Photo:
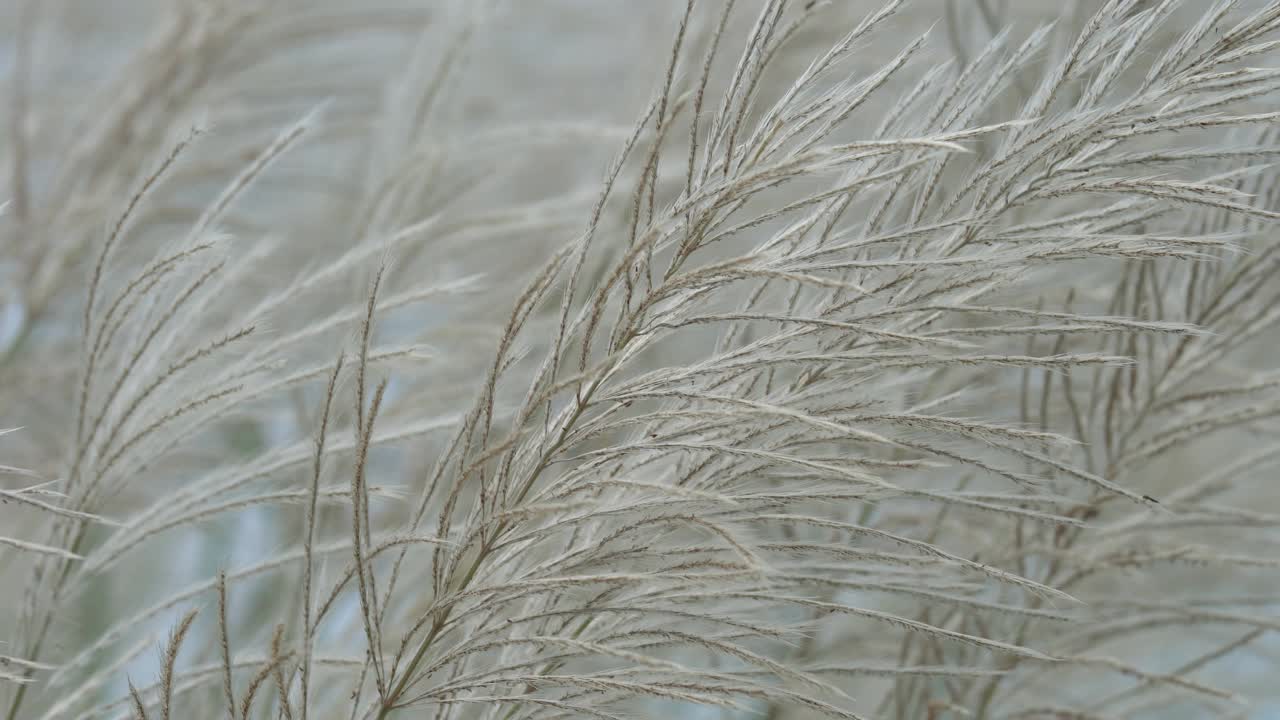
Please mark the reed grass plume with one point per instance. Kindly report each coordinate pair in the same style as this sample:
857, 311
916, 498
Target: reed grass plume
856, 360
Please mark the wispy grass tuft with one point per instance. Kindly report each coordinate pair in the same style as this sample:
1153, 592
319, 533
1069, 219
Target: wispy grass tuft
919, 383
